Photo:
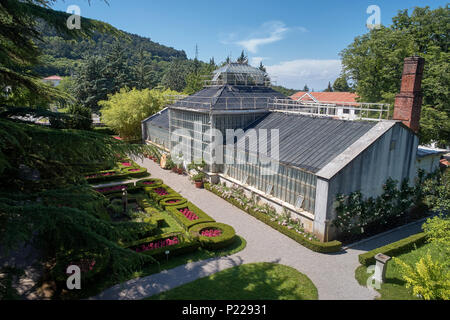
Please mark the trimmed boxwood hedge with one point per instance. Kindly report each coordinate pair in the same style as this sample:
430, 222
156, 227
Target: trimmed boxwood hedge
142, 172
214, 243
157, 198
148, 187
164, 202
184, 246
98, 177
317, 246
393, 249
130, 187
177, 215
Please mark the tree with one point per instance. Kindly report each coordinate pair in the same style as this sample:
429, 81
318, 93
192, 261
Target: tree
374, 63
242, 58
305, 88
262, 67
341, 84
19, 34
92, 83
125, 110
175, 76
143, 74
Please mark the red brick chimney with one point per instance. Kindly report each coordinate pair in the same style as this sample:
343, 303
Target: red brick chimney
408, 103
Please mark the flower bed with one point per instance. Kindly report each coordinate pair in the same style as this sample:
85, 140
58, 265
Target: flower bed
161, 192
114, 189
213, 235
188, 215
172, 201
149, 184
104, 176
158, 244
135, 172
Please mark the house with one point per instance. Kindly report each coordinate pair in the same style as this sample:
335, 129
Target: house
52, 80
294, 155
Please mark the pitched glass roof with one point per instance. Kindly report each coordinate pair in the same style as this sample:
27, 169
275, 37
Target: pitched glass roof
309, 142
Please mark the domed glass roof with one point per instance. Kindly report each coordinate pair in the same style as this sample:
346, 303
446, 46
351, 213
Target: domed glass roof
239, 74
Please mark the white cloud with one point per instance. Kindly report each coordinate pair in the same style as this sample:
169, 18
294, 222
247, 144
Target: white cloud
255, 61
269, 32
313, 72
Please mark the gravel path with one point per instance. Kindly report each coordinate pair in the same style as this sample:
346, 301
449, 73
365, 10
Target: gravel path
333, 274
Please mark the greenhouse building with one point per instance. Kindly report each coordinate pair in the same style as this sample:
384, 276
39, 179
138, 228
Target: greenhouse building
293, 155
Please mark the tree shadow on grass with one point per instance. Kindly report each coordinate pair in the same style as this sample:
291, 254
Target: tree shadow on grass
256, 281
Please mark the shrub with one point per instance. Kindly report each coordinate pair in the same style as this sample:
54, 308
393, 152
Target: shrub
125, 110
198, 216
393, 249
148, 184
428, 279
135, 172
222, 240
182, 245
90, 263
116, 189
302, 238
161, 192
106, 175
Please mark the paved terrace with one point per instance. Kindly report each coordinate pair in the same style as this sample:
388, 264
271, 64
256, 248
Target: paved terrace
333, 274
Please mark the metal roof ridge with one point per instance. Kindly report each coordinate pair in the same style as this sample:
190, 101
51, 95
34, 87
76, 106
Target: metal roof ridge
154, 115
360, 145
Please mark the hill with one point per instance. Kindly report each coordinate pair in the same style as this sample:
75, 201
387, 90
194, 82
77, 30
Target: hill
62, 56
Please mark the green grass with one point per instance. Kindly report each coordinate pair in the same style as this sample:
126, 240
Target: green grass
256, 281
394, 287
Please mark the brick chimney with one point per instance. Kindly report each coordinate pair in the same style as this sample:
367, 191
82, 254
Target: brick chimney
408, 103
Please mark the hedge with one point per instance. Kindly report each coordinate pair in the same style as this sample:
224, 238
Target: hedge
317, 246
180, 218
115, 189
99, 177
165, 202
157, 198
141, 172
214, 243
184, 246
393, 249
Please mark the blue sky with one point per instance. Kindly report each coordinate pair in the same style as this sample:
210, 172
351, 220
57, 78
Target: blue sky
298, 41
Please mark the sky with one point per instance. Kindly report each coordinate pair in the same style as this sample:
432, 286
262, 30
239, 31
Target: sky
298, 41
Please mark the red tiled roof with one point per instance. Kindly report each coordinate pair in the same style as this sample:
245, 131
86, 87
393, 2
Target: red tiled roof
347, 97
53, 78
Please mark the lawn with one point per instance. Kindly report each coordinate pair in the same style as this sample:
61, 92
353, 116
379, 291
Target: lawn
256, 281
394, 288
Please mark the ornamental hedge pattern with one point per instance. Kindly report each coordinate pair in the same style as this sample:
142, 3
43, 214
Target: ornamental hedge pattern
189, 215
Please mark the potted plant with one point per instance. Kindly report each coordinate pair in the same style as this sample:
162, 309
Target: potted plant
198, 179
180, 168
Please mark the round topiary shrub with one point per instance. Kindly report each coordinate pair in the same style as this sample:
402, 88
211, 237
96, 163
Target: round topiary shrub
214, 235
172, 201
